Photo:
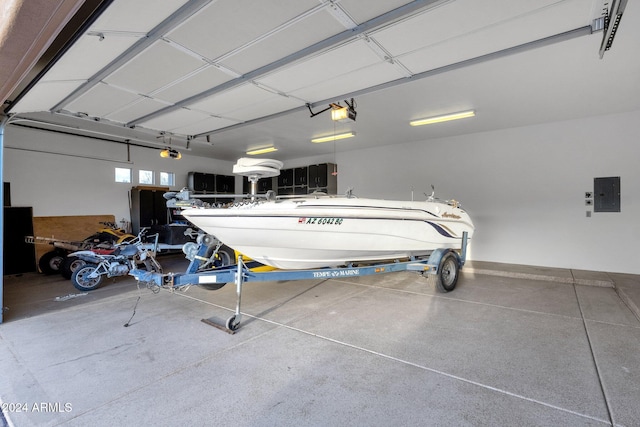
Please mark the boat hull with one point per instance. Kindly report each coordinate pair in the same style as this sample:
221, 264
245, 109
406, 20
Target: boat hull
313, 234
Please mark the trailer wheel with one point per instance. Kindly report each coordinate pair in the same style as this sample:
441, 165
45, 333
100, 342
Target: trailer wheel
50, 262
81, 280
211, 286
225, 256
448, 271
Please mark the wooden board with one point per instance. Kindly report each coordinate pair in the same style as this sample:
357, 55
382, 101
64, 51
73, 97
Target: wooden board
72, 228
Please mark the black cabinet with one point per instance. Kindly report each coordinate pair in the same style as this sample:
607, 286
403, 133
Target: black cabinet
210, 183
285, 179
264, 185
148, 207
202, 182
300, 176
18, 255
307, 179
225, 184
294, 181
322, 178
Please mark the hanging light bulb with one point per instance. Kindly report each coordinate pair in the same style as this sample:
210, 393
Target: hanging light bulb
170, 153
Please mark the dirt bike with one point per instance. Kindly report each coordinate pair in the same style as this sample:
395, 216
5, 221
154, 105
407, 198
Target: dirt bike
126, 256
71, 263
55, 261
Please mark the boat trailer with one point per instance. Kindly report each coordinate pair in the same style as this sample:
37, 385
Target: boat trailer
444, 264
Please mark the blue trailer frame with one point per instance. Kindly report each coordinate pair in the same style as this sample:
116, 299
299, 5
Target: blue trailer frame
443, 263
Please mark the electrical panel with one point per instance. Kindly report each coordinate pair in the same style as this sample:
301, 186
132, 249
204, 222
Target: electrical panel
606, 193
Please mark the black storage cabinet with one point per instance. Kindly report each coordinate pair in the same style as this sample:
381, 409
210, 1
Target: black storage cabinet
148, 208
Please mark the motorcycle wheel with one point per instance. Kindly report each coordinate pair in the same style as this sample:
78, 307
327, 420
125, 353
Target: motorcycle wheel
70, 264
81, 280
50, 262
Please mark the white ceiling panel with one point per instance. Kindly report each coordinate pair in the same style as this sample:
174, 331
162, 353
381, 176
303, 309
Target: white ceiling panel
521, 30
136, 15
46, 94
101, 100
227, 24
331, 88
175, 119
340, 61
287, 41
453, 20
138, 108
362, 11
88, 56
267, 107
198, 82
154, 68
225, 103
207, 124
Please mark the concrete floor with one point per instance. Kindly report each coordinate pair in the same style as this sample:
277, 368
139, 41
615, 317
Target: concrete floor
511, 345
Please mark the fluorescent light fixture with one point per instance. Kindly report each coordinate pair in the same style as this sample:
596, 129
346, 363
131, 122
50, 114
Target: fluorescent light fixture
334, 137
261, 151
443, 118
169, 153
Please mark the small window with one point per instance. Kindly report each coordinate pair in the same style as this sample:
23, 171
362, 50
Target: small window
123, 175
167, 178
145, 177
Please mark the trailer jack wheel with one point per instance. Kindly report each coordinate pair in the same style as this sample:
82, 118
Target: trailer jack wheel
232, 325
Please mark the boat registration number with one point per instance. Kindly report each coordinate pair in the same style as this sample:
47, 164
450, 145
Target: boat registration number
320, 221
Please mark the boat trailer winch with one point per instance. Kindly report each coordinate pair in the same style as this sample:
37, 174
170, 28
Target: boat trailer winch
444, 264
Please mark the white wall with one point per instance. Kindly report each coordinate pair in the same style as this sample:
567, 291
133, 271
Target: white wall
71, 183
523, 187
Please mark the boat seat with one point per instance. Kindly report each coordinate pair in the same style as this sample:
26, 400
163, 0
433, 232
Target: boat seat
259, 168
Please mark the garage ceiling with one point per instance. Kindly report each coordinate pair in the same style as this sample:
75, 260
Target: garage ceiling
221, 77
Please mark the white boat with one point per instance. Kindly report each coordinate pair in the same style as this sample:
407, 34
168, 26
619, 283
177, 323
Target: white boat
328, 231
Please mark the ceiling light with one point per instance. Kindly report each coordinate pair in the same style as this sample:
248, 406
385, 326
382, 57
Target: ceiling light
262, 151
344, 114
170, 153
334, 137
443, 118
338, 114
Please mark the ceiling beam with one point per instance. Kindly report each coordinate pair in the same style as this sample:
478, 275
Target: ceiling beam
342, 37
